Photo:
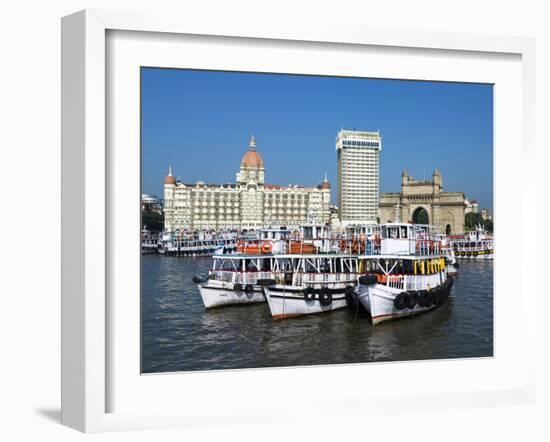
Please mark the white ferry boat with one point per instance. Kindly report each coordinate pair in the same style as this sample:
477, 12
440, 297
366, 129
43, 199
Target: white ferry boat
312, 239
233, 279
311, 284
477, 244
265, 241
150, 241
272, 255
199, 244
409, 276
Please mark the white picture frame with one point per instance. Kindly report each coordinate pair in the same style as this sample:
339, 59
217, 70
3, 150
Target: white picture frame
87, 356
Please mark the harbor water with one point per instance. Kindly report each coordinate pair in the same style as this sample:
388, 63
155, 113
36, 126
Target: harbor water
178, 334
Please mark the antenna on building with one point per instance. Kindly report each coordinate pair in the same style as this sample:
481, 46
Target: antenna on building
170, 170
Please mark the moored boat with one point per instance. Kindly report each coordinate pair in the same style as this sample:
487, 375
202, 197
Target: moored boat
150, 241
233, 279
477, 244
197, 244
409, 277
315, 284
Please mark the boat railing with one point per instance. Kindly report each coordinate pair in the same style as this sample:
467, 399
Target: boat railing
325, 278
485, 244
359, 246
252, 277
239, 277
414, 282
427, 247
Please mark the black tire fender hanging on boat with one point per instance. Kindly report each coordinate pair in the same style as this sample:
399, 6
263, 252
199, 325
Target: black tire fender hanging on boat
265, 282
238, 287
422, 298
413, 300
325, 296
350, 295
368, 279
401, 301
309, 294
439, 296
248, 288
429, 298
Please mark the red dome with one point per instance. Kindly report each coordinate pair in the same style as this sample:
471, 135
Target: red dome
170, 179
252, 159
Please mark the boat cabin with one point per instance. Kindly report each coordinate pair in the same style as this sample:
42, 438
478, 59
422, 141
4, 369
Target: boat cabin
408, 239
274, 234
362, 231
314, 231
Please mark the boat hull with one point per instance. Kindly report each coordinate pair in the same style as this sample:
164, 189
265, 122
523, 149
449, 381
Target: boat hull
223, 294
287, 302
379, 301
452, 269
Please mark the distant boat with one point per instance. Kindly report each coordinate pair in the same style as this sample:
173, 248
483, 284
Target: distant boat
477, 244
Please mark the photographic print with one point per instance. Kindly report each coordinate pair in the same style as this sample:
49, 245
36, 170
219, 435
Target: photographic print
296, 220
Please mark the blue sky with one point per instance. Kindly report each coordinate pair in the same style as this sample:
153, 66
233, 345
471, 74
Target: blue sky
200, 122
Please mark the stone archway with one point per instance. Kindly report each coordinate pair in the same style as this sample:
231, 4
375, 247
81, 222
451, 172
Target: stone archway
447, 223
420, 216
419, 198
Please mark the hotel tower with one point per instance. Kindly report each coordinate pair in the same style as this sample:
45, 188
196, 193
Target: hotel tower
358, 176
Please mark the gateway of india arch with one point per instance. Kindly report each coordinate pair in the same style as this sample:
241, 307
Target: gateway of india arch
425, 202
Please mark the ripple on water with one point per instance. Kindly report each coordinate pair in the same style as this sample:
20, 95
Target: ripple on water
179, 335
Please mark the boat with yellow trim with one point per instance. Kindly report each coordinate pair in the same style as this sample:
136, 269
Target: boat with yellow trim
410, 275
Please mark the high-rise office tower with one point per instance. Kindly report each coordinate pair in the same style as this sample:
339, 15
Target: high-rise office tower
358, 176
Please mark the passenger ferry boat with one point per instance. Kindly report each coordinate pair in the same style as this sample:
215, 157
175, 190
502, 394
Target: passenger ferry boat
273, 255
477, 244
406, 274
200, 244
265, 241
150, 241
311, 284
233, 279
409, 276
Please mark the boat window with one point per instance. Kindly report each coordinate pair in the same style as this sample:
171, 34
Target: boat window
251, 265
